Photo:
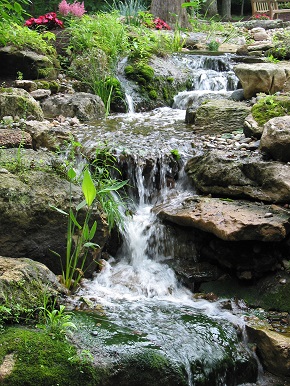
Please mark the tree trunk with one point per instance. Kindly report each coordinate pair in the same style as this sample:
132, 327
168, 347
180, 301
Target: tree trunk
226, 10
210, 8
170, 11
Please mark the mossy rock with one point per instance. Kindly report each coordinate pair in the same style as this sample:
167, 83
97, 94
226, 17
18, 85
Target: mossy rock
18, 102
51, 85
271, 106
270, 293
32, 357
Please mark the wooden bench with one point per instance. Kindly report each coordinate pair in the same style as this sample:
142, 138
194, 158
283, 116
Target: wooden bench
271, 8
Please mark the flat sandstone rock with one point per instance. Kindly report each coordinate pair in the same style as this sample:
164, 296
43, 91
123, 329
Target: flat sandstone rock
230, 220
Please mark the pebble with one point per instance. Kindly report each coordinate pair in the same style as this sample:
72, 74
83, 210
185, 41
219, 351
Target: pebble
268, 215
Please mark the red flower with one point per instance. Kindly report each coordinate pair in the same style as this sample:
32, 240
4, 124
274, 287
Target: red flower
160, 24
49, 21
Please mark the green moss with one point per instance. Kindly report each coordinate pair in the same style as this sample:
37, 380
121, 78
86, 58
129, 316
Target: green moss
153, 94
145, 71
52, 85
170, 79
41, 360
129, 70
270, 106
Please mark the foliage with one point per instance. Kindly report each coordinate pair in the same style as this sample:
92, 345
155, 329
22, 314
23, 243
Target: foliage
79, 237
129, 9
281, 49
25, 38
75, 9
213, 45
270, 106
103, 31
12, 11
57, 322
41, 360
103, 167
175, 153
48, 21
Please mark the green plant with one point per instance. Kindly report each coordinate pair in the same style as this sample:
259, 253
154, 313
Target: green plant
79, 236
175, 153
129, 9
213, 45
270, 58
56, 321
103, 166
12, 11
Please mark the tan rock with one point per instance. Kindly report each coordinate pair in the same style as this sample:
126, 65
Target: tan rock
228, 219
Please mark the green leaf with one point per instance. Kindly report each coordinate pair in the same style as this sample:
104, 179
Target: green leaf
88, 188
93, 230
58, 210
113, 187
71, 174
86, 231
91, 245
81, 205
73, 219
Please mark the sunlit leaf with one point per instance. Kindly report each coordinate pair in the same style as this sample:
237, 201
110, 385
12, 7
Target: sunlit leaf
88, 188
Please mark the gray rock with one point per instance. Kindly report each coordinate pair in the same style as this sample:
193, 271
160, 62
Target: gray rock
40, 94
14, 138
29, 63
228, 175
252, 128
275, 141
29, 226
220, 116
84, 106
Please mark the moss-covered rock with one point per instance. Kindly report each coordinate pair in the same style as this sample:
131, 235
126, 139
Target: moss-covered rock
18, 102
32, 357
271, 106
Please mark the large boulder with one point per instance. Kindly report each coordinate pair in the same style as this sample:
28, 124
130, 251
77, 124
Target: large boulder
275, 141
84, 106
24, 283
228, 175
220, 116
18, 102
29, 226
263, 77
14, 138
228, 219
29, 63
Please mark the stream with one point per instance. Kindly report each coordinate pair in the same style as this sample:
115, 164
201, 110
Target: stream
140, 307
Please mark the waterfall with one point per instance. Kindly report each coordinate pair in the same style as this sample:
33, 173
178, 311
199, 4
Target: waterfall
136, 288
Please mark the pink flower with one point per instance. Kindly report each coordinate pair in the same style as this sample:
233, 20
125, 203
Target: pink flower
160, 24
64, 8
75, 9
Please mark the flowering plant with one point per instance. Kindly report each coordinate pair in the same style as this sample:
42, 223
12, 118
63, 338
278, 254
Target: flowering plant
160, 24
261, 16
75, 9
48, 21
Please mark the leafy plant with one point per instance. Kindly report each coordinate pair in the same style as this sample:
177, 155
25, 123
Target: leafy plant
48, 21
23, 37
129, 9
12, 11
213, 45
79, 236
103, 166
175, 153
56, 321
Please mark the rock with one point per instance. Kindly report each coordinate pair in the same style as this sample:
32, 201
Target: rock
84, 106
228, 175
44, 135
193, 99
24, 282
27, 85
14, 138
40, 94
259, 34
273, 348
220, 116
29, 63
14, 101
263, 77
275, 141
227, 219
29, 226
252, 128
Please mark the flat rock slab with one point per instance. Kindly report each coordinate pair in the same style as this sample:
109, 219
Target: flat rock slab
228, 219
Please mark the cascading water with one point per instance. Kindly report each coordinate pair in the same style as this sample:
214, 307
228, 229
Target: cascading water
146, 307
